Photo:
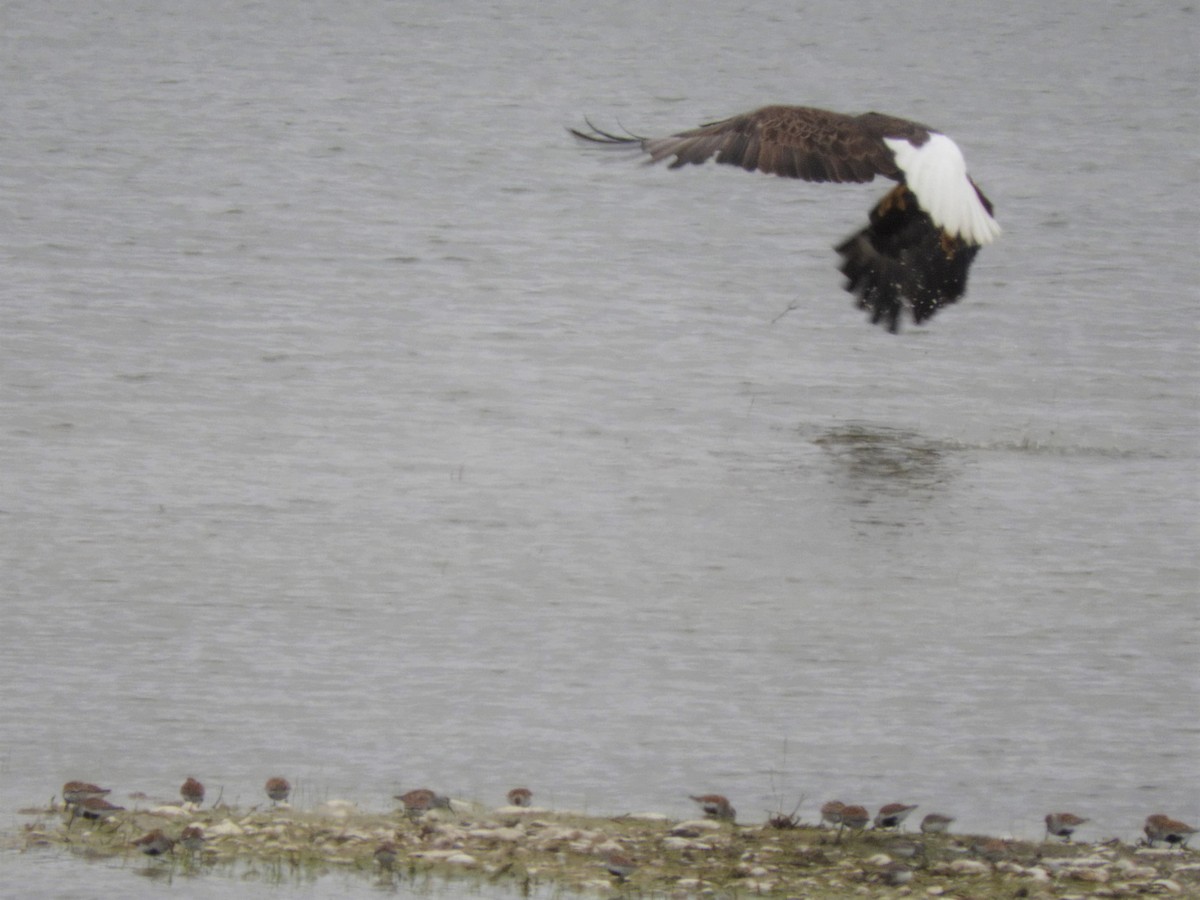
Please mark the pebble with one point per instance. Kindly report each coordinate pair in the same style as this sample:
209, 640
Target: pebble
681, 843
225, 829
170, 812
970, 867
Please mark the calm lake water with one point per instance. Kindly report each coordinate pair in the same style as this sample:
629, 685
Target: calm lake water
358, 426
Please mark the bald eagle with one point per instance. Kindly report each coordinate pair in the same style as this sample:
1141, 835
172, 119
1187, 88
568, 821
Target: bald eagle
922, 235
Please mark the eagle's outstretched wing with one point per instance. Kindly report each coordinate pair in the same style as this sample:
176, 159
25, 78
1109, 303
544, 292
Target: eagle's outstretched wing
792, 141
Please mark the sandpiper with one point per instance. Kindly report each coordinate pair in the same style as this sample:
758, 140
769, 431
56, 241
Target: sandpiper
422, 800
716, 806
620, 865
154, 843
278, 789
385, 854
97, 808
520, 797
193, 838
896, 873
1160, 827
936, 823
893, 815
993, 850
75, 792
855, 817
192, 791
831, 812
1062, 824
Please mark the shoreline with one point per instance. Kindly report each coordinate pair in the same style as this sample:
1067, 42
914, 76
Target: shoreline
525, 849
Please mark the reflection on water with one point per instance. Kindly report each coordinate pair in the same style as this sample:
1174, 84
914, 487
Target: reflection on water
877, 459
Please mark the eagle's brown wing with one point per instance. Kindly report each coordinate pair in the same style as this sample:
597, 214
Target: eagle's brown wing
791, 141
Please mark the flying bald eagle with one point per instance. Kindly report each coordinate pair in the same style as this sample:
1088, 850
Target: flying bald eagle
923, 234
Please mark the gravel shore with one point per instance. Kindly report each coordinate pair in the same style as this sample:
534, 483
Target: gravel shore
644, 855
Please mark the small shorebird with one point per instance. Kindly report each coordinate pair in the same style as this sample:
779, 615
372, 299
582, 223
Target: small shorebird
620, 865
716, 806
193, 838
936, 823
1063, 824
520, 797
993, 850
855, 818
422, 800
98, 809
192, 791
75, 792
278, 789
385, 855
1160, 827
154, 843
896, 873
831, 812
893, 815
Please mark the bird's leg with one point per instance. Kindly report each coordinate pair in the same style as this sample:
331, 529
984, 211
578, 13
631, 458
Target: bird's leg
893, 199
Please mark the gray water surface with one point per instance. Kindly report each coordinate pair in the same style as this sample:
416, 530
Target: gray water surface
359, 426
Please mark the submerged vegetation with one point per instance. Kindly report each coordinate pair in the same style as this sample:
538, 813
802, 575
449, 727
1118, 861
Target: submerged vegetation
528, 850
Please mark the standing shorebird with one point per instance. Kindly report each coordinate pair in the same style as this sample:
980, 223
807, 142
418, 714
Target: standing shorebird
193, 838
75, 792
831, 812
716, 806
154, 843
1160, 827
192, 791
97, 809
893, 815
935, 823
278, 789
855, 818
385, 855
620, 865
520, 797
419, 801
1062, 824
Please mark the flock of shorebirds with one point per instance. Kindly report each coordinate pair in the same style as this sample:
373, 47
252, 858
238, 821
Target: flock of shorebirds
88, 801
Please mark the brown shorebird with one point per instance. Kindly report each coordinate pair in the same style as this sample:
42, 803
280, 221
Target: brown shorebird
893, 815
936, 823
896, 873
385, 855
421, 800
192, 791
1160, 827
1063, 824
993, 850
831, 812
855, 818
278, 789
154, 843
75, 792
716, 806
520, 797
97, 809
620, 865
193, 838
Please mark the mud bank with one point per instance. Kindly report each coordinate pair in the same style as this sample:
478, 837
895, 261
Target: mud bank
646, 855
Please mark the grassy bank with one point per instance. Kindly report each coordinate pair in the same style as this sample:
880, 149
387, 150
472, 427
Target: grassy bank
525, 849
